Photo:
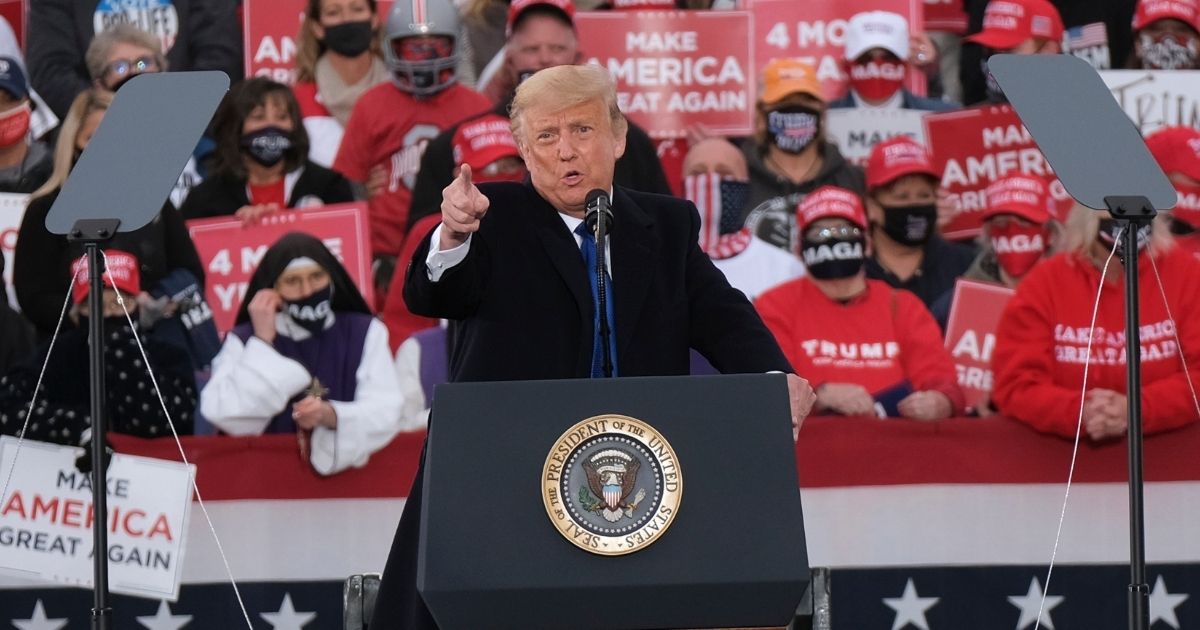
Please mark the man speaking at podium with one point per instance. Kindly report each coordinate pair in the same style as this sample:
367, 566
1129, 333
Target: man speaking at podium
509, 263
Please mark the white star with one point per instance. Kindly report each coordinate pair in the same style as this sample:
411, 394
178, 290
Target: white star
910, 608
1163, 604
287, 618
1029, 603
164, 620
38, 620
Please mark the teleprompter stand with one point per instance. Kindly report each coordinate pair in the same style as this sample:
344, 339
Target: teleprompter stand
1102, 161
119, 185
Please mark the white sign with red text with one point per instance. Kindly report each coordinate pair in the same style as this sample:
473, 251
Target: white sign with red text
1156, 98
971, 335
46, 519
856, 129
815, 31
12, 209
230, 252
676, 69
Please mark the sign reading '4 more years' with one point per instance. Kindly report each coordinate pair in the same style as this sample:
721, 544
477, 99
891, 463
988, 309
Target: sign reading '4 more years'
46, 519
675, 69
815, 31
971, 335
230, 252
271, 30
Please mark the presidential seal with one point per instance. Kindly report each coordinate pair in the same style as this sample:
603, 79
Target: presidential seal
612, 485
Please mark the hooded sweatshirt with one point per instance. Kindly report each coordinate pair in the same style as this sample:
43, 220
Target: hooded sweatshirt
1042, 339
771, 210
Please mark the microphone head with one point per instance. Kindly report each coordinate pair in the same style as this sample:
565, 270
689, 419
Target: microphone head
598, 205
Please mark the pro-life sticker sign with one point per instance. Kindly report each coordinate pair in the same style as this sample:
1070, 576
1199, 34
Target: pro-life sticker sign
675, 69
971, 335
46, 519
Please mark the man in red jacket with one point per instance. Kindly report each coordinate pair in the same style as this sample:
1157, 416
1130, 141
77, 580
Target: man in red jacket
868, 348
1042, 343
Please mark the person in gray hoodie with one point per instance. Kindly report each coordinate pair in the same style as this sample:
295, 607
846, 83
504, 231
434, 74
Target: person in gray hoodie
788, 156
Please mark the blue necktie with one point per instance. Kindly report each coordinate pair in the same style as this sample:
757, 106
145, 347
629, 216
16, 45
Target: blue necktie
588, 249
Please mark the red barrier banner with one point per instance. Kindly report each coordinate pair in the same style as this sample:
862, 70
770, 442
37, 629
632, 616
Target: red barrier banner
14, 12
270, 30
971, 335
675, 69
815, 31
230, 252
973, 148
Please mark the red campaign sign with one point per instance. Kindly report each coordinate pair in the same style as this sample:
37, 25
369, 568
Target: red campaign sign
815, 31
675, 69
231, 252
14, 12
973, 148
945, 15
270, 29
971, 335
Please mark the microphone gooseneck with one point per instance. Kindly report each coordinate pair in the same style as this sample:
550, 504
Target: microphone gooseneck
598, 217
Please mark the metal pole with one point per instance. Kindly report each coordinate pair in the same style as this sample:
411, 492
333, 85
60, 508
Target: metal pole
101, 612
1139, 591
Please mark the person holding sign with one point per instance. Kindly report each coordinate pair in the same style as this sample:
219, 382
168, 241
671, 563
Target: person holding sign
306, 357
902, 193
871, 349
877, 44
338, 59
1043, 340
788, 155
1018, 232
261, 162
61, 413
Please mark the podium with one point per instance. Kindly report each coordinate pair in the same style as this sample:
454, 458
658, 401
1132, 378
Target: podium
663, 502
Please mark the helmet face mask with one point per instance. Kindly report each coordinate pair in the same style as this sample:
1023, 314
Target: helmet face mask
421, 45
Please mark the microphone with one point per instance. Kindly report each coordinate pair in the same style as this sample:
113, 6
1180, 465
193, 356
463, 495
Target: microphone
598, 207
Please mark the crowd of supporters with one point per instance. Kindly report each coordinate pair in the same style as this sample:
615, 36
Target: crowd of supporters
846, 262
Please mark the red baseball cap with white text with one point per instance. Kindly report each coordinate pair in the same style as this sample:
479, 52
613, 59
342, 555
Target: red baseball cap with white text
830, 202
896, 158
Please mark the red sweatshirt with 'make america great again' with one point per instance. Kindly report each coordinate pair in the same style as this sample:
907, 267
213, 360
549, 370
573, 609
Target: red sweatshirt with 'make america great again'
1041, 342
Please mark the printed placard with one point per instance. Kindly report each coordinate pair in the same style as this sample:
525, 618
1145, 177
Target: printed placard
1156, 98
675, 69
12, 209
14, 12
971, 335
815, 31
230, 251
856, 130
46, 519
973, 148
270, 30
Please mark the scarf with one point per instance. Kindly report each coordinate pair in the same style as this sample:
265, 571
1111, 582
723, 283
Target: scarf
340, 98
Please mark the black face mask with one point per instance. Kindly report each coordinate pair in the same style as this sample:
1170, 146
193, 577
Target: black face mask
1109, 228
834, 258
910, 225
994, 93
793, 129
311, 313
349, 39
267, 146
1179, 228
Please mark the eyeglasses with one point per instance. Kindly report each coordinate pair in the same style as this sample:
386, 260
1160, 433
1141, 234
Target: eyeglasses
828, 233
124, 67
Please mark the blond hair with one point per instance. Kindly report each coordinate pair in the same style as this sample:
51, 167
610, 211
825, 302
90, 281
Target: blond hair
88, 102
1083, 223
563, 87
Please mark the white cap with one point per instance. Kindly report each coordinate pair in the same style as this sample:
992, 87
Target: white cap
877, 29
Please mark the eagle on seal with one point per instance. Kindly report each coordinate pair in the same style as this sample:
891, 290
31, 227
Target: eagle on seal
611, 476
